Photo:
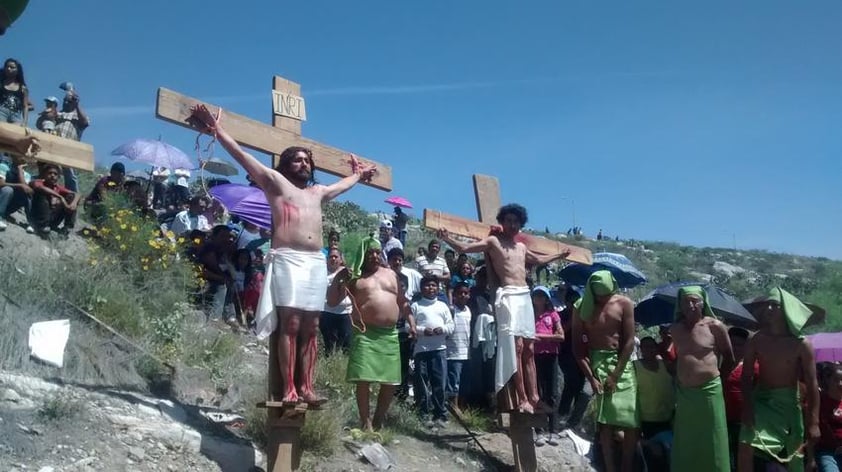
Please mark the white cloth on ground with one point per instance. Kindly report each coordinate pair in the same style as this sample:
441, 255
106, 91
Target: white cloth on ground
293, 279
47, 340
515, 317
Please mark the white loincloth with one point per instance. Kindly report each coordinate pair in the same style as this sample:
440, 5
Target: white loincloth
515, 317
294, 279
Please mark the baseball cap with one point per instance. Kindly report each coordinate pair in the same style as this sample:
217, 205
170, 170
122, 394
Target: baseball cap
386, 224
51, 99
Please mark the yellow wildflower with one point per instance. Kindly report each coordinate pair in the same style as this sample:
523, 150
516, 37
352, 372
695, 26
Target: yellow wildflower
118, 237
134, 229
123, 226
94, 262
122, 247
145, 267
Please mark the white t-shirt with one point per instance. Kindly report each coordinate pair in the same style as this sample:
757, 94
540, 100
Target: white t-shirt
431, 314
344, 307
184, 222
459, 341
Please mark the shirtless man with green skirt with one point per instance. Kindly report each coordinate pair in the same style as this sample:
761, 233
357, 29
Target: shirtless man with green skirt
703, 351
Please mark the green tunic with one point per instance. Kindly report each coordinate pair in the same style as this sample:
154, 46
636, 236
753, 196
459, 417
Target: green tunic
778, 426
374, 356
700, 431
618, 408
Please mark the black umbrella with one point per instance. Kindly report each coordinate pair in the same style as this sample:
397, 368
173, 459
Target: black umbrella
658, 307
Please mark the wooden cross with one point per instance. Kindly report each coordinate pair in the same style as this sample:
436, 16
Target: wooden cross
55, 150
487, 194
288, 111
175, 108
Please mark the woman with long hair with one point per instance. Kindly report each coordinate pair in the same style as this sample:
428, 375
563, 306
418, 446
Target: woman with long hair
14, 96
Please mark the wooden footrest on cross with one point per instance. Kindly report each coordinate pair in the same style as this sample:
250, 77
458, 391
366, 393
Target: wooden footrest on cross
284, 423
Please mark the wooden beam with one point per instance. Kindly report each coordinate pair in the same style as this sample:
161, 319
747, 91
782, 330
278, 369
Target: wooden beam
175, 108
487, 194
434, 220
55, 150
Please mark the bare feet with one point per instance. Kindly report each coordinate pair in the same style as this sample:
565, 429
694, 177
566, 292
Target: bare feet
291, 397
312, 399
366, 425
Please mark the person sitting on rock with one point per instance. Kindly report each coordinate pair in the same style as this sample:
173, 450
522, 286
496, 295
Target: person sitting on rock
53, 206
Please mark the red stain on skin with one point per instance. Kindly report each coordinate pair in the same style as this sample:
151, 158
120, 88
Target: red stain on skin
289, 213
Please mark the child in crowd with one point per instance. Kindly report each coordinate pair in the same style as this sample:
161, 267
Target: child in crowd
655, 391
829, 447
458, 343
549, 335
433, 323
463, 275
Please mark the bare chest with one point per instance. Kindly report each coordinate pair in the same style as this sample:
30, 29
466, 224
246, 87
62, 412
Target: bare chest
782, 353
698, 340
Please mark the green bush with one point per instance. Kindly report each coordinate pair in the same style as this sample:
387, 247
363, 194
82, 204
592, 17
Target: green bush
60, 407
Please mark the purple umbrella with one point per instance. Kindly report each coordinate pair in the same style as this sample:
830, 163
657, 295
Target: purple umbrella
249, 203
827, 346
155, 153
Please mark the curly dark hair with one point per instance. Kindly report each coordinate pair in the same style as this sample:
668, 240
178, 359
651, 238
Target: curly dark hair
289, 154
513, 208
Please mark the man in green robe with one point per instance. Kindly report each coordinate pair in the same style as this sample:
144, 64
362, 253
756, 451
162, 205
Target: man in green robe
700, 430
606, 319
773, 421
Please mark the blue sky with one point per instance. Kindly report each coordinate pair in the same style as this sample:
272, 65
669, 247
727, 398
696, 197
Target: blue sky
701, 123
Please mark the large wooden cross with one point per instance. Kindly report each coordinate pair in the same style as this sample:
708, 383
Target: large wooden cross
175, 108
487, 194
284, 421
55, 150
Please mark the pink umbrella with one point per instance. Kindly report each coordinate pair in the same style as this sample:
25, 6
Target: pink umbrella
398, 202
827, 346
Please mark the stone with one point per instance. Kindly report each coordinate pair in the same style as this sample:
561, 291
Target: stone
137, 454
9, 395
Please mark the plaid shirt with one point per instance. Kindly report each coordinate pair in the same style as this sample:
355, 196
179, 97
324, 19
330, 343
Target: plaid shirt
69, 126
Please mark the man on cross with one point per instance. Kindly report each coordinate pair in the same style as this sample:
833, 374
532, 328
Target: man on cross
296, 273
513, 303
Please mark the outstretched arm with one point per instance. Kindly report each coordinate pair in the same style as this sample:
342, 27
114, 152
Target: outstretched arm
469, 248
212, 125
359, 171
543, 259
